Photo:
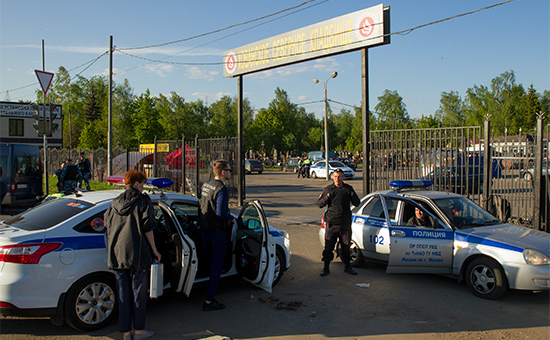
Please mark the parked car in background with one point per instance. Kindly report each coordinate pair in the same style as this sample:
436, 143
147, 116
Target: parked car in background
253, 165
54, 258
316, 155
458, 179
383, 163
318, 170
291, 165
348, 162
459, 239
528, 173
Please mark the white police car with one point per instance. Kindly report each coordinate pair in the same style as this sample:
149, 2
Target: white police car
53, 259
459, 239
319, 169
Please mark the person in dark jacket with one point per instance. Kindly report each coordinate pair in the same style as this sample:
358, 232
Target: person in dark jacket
70, 175
216, 226
337, 197
130, 221
85, 167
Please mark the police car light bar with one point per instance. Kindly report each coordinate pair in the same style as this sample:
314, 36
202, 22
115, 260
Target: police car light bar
157, 182
401, 184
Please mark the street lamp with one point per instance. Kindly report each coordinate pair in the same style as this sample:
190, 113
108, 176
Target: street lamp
333, 75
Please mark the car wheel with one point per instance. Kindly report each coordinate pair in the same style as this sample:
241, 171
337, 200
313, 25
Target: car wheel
259, 172
313, 175
355, 253
527, 176
246, 172
279, 267
91, 303
486, 279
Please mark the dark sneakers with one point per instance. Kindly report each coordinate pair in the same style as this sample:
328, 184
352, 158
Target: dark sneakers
325, 271
350, 270
213, 305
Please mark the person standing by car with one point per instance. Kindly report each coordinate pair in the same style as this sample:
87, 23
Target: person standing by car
216, 224
85, 167
337, 197
130, 221
60, 183
70, 175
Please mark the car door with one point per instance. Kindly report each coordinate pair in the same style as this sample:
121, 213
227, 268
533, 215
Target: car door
373, 232
255, 247
417, 249
185, 266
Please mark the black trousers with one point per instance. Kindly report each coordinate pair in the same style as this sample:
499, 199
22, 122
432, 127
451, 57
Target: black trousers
332, 233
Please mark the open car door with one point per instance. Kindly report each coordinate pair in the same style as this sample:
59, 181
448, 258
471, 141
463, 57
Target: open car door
255, 247
184, 266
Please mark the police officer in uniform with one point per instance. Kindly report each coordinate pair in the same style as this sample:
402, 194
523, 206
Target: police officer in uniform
216, 227
70, 175
337, 197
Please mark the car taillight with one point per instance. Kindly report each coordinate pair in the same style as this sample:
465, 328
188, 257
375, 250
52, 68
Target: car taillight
12, 187
26, 253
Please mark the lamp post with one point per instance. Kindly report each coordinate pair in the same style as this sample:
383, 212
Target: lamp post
333, 75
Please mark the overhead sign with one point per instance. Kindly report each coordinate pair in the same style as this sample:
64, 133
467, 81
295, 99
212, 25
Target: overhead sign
367, 27
45, 79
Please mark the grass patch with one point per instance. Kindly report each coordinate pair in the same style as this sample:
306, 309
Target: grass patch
94, 185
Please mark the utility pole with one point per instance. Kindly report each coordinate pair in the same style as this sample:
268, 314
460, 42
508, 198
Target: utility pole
110, 109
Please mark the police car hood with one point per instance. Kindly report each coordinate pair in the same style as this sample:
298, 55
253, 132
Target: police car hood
509, 234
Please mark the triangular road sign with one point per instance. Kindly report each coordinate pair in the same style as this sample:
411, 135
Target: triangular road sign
45, 79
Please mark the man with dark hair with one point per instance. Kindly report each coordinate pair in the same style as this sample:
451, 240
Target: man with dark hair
419, 218
70, 175
85, 167
216, 227
337, 197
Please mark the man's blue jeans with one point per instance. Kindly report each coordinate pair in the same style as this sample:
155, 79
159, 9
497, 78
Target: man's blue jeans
132, 286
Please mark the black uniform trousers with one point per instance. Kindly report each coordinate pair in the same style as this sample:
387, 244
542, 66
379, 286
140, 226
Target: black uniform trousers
332, 233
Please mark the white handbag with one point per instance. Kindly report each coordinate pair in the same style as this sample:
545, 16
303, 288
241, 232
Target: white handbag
157, 280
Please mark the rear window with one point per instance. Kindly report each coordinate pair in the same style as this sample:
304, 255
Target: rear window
255, 162
48, 214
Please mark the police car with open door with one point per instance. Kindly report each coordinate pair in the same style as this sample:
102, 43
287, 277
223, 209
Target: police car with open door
53, 258
458, 238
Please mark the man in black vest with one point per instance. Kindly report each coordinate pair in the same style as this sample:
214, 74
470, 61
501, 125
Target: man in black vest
338, 197
70, 175
85, 167
216, 226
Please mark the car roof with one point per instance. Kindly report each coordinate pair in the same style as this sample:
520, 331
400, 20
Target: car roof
430, 194
96, 197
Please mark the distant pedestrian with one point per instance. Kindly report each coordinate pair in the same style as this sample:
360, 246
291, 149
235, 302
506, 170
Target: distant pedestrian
337, 197
85, 167
60, 183
70, 176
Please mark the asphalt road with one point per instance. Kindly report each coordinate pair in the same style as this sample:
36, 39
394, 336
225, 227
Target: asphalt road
306, 306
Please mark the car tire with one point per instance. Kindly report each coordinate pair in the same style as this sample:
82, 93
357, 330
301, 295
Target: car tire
91, 303
259, 172
486, 279
246, 172
279, 267
313, 175
527, 176
357, 258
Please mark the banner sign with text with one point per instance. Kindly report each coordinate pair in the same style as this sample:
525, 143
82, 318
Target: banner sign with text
365, 28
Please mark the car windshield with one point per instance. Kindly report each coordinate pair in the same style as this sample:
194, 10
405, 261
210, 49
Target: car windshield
463, 213
336, 164
255, 162
48, 214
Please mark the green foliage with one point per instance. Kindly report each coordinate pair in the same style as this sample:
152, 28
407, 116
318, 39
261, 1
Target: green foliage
392, 111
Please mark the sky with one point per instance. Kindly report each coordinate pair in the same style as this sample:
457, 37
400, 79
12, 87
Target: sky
452, 55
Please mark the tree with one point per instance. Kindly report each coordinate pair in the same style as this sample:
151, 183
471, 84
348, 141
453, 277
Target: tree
392, 112
145, 120
450, 111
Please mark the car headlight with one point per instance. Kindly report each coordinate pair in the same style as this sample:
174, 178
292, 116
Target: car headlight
535, 257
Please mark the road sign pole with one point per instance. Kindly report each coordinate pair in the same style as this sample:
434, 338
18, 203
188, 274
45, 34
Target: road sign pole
45, 165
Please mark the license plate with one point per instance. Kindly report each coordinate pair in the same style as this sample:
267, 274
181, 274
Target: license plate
21, 186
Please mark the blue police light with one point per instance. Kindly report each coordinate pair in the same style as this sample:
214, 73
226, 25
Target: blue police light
157, 182
415, 183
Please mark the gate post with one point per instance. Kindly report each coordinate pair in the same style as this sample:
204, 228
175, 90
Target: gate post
197, 157
183, 162
537, 178
487, 165
155, 159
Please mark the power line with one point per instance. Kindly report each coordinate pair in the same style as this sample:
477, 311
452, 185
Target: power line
219, 30
402, 32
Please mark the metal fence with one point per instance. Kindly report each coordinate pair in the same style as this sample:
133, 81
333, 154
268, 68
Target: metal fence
454, 160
